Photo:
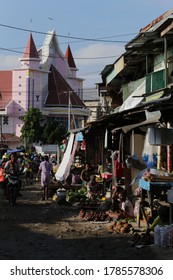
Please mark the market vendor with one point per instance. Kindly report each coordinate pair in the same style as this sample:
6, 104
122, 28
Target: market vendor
86, 174
94, 187
162, 219
108, 167
121, 205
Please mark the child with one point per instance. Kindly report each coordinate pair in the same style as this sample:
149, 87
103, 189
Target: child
121, 205
162, 218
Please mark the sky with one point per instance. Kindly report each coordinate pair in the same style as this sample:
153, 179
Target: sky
96, 30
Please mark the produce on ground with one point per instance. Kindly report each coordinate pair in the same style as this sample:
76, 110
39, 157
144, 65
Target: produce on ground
76, 195
121, 226
95, 216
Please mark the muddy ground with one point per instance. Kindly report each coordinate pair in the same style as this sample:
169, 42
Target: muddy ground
42, 230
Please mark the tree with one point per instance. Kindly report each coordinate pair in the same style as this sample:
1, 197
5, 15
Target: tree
53, 132
31, 130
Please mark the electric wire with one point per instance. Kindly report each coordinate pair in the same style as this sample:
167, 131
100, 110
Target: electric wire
51, 56
59, 35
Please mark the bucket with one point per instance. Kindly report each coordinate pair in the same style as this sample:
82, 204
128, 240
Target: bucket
61, 193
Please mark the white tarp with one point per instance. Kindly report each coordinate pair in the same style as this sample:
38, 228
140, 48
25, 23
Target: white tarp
67, 170
63, 167
46, 149
134, 99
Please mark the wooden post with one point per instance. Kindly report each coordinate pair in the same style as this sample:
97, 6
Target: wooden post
168, 154
159, 158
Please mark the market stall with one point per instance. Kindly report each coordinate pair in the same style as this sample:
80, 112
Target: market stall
151, 190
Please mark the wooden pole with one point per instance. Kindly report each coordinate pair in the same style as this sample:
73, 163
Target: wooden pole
159, 157
168, 154
0, 129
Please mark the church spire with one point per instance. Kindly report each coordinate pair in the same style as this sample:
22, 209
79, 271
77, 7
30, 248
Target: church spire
69, 57
30, 49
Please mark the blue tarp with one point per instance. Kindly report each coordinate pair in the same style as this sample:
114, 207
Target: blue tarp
10, 151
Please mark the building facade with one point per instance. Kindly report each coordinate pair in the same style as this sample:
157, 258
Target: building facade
47, 80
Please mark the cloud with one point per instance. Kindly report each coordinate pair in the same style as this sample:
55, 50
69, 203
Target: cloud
98, 54
92, 59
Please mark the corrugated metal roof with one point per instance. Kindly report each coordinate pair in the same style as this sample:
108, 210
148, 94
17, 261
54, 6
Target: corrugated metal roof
152, 31
154, 24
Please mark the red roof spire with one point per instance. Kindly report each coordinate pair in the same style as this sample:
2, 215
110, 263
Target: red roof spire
30, 49
69, 57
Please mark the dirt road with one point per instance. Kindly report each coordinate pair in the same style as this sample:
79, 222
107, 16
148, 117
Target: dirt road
41, 230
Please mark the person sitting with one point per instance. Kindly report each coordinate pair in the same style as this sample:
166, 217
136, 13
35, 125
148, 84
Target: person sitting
162, 218
121, 205
12, 166
94, 187
76, 174
85, 174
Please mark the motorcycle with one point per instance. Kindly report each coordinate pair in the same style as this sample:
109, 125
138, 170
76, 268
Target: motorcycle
12, 188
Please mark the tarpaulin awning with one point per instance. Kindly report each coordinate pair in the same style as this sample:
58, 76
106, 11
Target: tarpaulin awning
151, 117
135, 98
10, 151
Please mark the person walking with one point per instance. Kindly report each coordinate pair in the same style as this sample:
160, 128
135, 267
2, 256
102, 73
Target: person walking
46, 169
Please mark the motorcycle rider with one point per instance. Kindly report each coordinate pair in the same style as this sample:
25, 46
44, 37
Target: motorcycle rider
2, 173
12, 167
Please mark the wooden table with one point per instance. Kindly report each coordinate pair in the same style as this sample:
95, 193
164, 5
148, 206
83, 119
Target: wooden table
153, 190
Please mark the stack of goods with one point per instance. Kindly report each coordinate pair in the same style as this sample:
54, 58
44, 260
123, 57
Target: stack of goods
73, 196
163, 235
121, 226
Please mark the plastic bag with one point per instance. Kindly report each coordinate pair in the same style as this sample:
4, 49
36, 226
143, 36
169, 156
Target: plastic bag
149, 154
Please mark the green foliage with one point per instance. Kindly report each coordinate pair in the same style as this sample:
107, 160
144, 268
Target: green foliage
31, 130
34, 131
53, 132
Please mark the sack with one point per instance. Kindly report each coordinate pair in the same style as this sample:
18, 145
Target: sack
163, 235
